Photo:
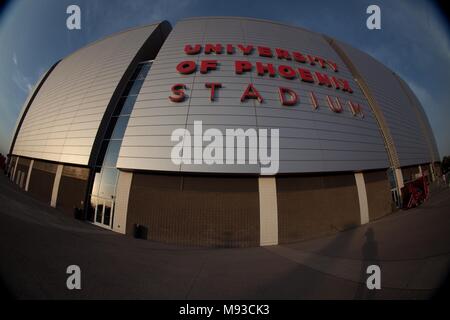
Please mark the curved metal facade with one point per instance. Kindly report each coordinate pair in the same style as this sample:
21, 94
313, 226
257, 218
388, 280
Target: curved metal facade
404, 115
310, 140
64, 118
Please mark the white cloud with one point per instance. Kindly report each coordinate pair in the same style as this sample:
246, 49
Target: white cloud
20, 80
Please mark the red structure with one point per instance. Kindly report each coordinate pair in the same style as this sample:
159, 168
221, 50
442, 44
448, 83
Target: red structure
415, 192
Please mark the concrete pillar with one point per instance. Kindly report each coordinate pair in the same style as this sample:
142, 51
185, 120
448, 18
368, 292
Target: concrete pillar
18, 175
27, 183
268, 211
14, 170
21, 179
362, 196
121, 201
432, 173
399, 178
55, 190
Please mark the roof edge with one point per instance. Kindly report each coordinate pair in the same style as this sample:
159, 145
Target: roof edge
115, 34
249, 19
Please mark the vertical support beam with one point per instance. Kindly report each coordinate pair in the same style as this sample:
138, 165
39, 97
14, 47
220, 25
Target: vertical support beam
268, 211
10, 168
362, 196
30, 168
432, 173
18, 173
399, 178
420, 170
22, 178
55, 190
14, 170
121, 202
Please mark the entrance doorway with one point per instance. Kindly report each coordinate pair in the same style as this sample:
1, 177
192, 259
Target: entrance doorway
103, 211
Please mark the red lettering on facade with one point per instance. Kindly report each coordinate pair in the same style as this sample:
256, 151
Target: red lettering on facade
251, 93
332, 65
339, 104
334, 105
311, 59
263, 68
265, 52
314, 101
178, 94
291, 101
186, 67
336, 83
209, 48
212, 86
188, 49
282, 54
323, 79
341, 83
306, 75
207, 65
288, 97
321, 61
298, 57
346, 86
287, 72
242, 66
356, 109
245, 50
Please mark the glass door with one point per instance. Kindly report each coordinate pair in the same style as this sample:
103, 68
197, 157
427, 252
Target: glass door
102, 211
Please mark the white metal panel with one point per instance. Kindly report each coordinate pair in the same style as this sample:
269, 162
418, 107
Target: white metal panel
63, 120
310, 140
427, 131
402, 121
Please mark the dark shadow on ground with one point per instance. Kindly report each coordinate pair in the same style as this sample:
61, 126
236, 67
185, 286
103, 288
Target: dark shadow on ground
370, 256
313, 284
443, 293
5, 293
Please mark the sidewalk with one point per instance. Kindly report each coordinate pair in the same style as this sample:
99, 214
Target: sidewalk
37, 243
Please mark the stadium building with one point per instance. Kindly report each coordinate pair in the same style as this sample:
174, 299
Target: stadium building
97, 133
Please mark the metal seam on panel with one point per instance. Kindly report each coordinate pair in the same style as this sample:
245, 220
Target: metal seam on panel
189, 103
379, 117
415, 107
244, 35
30, 102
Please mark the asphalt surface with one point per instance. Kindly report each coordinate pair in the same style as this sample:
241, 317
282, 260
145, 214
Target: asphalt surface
38, 243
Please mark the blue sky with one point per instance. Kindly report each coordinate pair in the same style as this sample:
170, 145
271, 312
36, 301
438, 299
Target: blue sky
414, 40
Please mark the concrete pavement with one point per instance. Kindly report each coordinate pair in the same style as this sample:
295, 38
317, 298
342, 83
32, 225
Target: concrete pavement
37, 243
